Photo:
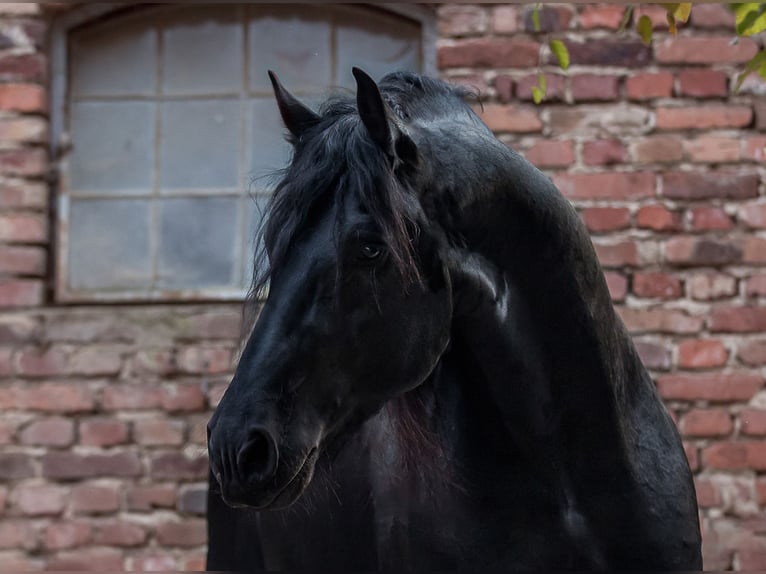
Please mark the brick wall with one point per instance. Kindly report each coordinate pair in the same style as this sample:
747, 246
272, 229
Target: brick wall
103, 408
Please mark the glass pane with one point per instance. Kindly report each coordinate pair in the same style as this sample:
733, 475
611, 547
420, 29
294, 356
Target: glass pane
109, 244
294, 43
113, 147
378, 44
199, 243
203, 51
115, 60
256, 208
200, 144
270, 151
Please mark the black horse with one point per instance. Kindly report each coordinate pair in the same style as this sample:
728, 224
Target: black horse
438, 378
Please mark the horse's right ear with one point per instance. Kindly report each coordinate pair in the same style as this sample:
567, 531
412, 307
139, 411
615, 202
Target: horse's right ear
297, 117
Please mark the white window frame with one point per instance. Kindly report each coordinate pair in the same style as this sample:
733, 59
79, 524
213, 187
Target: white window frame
60, 144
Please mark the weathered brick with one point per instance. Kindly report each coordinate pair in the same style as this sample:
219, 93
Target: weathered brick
649, 85
736, 455
15, 561
753, 422
709, 286
658, 218
755, 149
703, 117
551, 153
754, 250
657, 285
147, 498
595, 87
695, 251
177, 466
26, 162
194, 562
489, 53
717, 184
505, 19
601, 120
18, 260
26, 195
756, 286
712, 149
712, 16
20, 293
612, 185
703, 83
22, 227
708, 494
17, 534
657, 15
706, 423
14, 466
462, 20
702, 354
753, 215
154, 562
23, 68
710, 219
72, 327
41, 362
88, 499
508, 118
657, 149
68, 397
19, 8
552, 19
713, 387
190, 532
95, 361
65, 535
658, 320
617, 254
15, 329
504, 88
44, 500
214, 324
738, 320
604, 219
753, 353
55, 432
182, 397
131, 397
707, 50
654, 356
24, 130
608, 52
91, 559
604, 152
555, 87
158, 432
617, 284
120, 534
154, 361
759, 108
692, 455
601, 16
193, 500
66, 466
103, 432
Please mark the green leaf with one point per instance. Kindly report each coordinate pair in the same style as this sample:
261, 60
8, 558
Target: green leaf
682, 12
542, 81
644, 27
756, 63
537, 94
559, 49
672, 23
625, 20
536, 18
751, 18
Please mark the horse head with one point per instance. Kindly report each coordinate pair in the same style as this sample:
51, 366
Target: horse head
359, 308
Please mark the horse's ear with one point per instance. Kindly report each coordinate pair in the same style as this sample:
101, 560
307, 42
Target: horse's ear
296, 116
372, 110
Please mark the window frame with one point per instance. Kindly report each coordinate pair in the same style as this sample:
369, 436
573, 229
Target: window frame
60, 146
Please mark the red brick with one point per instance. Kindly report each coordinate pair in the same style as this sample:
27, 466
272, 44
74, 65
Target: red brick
713, 387
15, 465
753, 422
695, 251
64, 535
653, 355
17, 534
551, 153
555, 87
703, 117
658, 218
657, 285
461, 20
148, 498
756, 286
692, 455
68, 397
21, 293
707, 50
617, 284
489, 53
19, 8
759, 108
612, 185
617, 254
103, 432
608, 52
656, 14
708, 495
154, 361
95, 361
552, 18
753, 353
601, 219
194, 563
604, 152
27, 162
706, 423
709, 286
649, 85
504, 87
56, 432
131, 397
27, 98
710, 185
506, 118
710, 219
659, 320
40, 500
19, 260
712, 149
86, 499
23, 68
504, 19
594, 87
41, 362
91, 559
120, 534
154, 562
753, 215
703, 83
753, 559
755, 149
657, 149
754, 250
65, 466
601, 16
738, 320
6, 365
158, 432
736, 455
190, 532
702, 354
176, 466
712, 16
182, 397
29, 195
23, 227
23, 130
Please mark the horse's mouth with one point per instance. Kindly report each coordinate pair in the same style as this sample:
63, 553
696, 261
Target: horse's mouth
292, 490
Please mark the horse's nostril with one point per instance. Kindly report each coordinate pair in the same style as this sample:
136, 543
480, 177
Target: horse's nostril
258, 457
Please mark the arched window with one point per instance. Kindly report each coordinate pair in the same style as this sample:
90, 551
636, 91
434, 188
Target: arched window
167, 131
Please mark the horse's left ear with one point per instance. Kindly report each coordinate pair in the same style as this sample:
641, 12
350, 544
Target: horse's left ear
297, 117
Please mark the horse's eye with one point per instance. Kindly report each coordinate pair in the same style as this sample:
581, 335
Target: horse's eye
370, 252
